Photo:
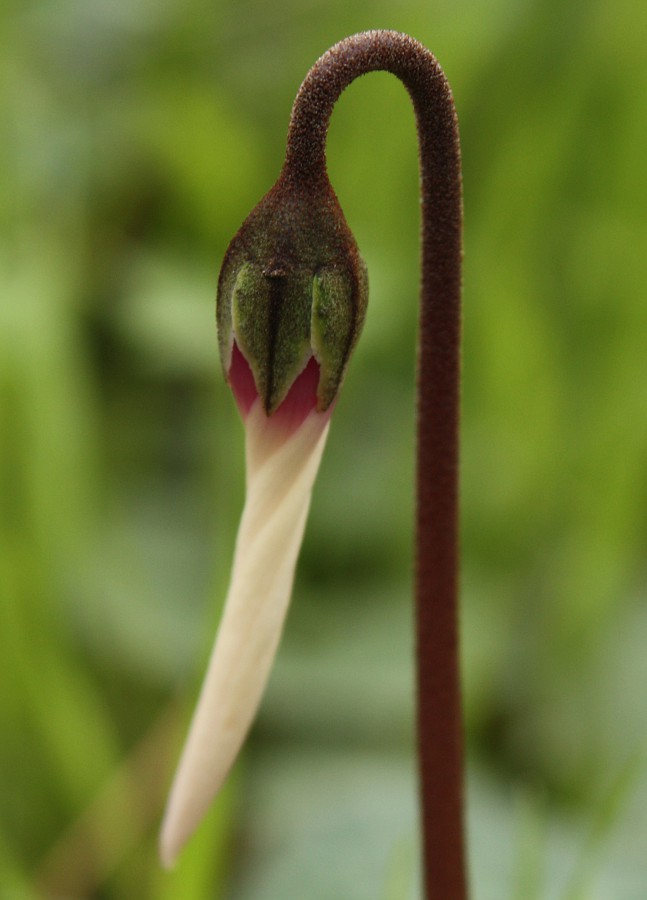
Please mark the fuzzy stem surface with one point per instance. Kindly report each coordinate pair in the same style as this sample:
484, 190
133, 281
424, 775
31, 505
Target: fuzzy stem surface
440, 741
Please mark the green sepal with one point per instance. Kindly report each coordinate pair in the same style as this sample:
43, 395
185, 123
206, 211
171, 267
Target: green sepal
271, 323
338, 309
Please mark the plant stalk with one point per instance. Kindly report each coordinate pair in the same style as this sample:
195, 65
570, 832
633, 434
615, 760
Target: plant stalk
439, 727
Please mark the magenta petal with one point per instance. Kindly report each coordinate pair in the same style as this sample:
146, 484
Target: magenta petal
241, 381
300, 401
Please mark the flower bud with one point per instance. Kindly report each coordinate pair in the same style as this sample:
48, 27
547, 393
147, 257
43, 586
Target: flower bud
291, 302
292, 286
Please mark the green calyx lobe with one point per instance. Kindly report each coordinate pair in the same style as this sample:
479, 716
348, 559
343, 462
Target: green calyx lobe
292, 286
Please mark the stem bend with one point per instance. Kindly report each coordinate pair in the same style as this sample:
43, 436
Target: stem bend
440, 743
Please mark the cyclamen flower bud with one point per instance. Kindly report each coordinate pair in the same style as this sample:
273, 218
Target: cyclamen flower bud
292, 296
291, 300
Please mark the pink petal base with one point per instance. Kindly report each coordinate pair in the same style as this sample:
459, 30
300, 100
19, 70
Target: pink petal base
301, 399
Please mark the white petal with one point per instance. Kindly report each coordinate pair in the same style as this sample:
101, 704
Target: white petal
280, 476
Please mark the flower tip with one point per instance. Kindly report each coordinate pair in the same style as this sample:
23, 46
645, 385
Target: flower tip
168, 848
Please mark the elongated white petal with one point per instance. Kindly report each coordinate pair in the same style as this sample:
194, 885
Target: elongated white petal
280, 475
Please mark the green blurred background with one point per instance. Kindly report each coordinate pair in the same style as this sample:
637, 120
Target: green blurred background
135, 137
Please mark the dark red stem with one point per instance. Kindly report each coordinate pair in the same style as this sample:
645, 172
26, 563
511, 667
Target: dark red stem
440, 742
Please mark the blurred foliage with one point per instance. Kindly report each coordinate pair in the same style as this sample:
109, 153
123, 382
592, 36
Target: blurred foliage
135, 138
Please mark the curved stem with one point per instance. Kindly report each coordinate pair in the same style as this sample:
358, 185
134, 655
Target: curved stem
438, 686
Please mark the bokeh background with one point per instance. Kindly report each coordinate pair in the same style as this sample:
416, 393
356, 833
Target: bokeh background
134, 138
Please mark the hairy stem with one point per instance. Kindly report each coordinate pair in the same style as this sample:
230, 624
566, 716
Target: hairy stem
440, 744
